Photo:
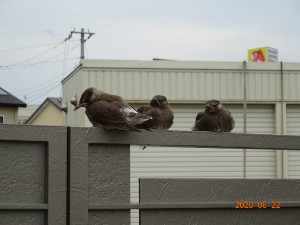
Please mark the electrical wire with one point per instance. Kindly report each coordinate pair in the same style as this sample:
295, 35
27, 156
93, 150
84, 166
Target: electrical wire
27, 62
40, 86
29, 47
15, 66
64, 63
34, 57
44, 93
39, 91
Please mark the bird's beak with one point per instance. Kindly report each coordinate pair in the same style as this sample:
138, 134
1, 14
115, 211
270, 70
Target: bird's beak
208, 106
81, 105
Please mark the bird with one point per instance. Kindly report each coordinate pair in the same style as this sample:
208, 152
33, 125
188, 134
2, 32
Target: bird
160, 112
215, 118
109, 111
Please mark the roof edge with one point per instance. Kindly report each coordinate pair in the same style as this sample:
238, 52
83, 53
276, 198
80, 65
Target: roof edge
36, 112
191, 65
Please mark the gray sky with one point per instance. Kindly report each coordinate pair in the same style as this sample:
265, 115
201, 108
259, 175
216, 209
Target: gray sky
34, 57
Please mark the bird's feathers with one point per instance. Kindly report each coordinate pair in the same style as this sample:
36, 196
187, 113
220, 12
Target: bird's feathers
103, 111
110, 111
160, 112
215, 118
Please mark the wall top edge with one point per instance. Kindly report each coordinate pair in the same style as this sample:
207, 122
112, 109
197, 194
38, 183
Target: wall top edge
173, 64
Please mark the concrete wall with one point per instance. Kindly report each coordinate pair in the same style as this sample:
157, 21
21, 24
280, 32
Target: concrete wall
80, 176
33, 175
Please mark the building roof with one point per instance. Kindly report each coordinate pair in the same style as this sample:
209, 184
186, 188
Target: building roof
54, 101
9, 100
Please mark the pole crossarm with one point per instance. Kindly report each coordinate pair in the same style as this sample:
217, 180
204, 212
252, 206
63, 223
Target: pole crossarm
82, 39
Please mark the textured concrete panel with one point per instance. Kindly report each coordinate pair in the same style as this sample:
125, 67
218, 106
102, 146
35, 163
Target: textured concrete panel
218, 190
33, 174
109, 217
99, 176
109, 174
286, 216
211, 192
13, 217
22, 177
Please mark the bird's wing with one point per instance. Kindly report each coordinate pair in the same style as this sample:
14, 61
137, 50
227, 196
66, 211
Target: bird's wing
103, 111
201, 123
200, 115
149, 110
144, 109
230, 121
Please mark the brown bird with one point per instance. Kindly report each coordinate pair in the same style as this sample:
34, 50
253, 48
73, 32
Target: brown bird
109, 111
160, 112
215, 118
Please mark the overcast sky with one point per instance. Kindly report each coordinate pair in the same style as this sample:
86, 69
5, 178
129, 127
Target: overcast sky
34, 57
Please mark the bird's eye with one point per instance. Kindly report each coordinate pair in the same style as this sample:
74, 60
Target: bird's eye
214, 106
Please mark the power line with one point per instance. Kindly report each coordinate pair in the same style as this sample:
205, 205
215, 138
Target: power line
64, 64
23, 48
28, 64
40, 92
34, 57
44, 93
40, 86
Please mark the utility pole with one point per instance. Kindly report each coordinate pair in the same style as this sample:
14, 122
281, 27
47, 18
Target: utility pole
82, 40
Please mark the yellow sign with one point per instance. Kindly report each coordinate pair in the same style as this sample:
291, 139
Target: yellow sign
263, 54
257, 55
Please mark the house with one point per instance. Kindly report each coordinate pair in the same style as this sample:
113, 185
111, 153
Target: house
263, 98
48, 113
25, 113
9, 105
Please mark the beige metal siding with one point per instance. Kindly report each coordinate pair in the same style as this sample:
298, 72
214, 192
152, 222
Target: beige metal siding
291, 85
178, 85
188, 81
261, 120
73, 86
263, 85
293, 128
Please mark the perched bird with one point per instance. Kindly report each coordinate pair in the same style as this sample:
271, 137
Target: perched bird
160, 112
109, 111
215, 118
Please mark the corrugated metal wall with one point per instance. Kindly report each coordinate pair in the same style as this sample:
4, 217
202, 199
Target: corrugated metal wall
177, 85
293, 128
187, 85
263, 85
261, 120
291, 86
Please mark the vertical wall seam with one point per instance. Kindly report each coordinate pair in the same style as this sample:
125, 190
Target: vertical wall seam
283, 125
245, 118
68, 175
